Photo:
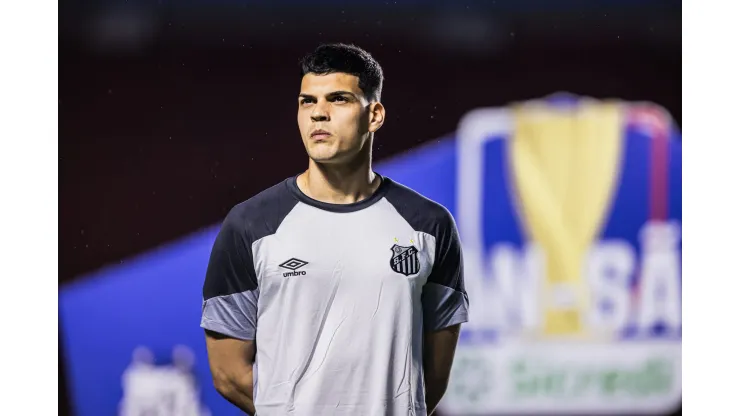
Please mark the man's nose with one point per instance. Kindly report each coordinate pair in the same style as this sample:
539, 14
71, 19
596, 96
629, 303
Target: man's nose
320, 113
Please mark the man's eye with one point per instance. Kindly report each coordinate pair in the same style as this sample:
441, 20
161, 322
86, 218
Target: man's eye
306, 101
339, 99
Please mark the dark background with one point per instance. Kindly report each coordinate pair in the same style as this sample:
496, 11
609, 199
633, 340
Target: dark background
171, 113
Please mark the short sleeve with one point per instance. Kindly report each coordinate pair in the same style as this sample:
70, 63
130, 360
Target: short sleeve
444, 300
230, 290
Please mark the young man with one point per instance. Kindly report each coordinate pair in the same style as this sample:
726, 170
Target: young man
337, 291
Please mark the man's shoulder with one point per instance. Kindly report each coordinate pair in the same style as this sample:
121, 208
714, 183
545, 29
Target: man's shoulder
265, 200
416, 208
261, 214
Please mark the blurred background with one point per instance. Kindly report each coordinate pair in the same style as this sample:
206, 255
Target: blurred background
173, 112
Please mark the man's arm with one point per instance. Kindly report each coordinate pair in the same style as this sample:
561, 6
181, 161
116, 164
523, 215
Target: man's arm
231, 362
439, 351
445, 306
230, 298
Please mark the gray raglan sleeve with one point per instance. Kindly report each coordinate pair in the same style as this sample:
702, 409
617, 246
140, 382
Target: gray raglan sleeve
444, 299
230, 290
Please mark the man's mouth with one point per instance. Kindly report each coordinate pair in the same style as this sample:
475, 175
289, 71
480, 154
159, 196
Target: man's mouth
320, 134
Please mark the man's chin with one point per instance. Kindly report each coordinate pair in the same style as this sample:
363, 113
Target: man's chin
333, 160
326, 158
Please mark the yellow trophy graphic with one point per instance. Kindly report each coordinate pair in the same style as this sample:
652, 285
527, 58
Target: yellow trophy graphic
564, 163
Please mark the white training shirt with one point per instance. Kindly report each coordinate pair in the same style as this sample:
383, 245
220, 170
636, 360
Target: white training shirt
336, 296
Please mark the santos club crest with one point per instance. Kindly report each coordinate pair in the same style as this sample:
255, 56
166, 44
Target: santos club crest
405, 260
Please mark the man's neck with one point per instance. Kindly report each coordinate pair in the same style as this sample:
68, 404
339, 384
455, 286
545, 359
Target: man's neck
338, 184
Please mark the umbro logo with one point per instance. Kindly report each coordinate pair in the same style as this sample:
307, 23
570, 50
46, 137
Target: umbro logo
294, 264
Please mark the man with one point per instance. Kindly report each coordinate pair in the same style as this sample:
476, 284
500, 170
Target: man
337, 291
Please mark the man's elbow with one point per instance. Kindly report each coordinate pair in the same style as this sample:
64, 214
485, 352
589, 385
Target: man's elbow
438, 385
223, 383
227, 384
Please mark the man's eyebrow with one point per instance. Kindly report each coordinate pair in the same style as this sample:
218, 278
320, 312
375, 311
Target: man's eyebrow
340, 93
331, 94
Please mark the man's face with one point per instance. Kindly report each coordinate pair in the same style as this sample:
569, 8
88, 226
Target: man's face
334, 117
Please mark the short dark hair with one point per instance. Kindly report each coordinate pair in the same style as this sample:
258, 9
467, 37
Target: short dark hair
349, 59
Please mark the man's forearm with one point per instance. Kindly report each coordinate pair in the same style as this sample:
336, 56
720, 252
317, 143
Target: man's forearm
239, 391
439, 352
231, 367
239, 396
433, 395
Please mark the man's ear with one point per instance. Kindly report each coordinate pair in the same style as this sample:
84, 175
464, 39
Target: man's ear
376, 115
